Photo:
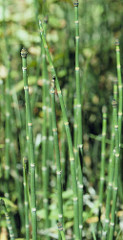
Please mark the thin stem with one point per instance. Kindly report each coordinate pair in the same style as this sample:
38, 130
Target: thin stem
8, 221
56, 146
116, 171
25, 172
110, 182
102, 172
120, 109
68, 133
60, 228
79, 116
31, 146
7, 131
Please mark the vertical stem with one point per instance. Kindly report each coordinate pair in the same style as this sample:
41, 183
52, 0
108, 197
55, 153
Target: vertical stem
44, 135
58, 164
11, 234
31, 147
68, 133
102, 172
25, 172
120, 109
60, 228
110, 182
7, 131
79, 115
116, 171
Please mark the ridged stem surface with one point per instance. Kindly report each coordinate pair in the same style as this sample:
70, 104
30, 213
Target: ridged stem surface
102, 171
79, 116
26, 204
68, 133
110, 182
116, 171
30, 146
57, 153
8, 221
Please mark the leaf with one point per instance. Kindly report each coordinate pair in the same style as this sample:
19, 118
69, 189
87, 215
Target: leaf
68, 224
19, 86
67, 194
41, 214
9, 203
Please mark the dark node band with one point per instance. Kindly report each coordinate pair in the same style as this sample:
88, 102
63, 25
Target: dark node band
46, 19
76, 4
54, 78
114, 103
24, 53
117, 42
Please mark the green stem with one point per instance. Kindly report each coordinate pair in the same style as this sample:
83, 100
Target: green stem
58, 164
102, 172
8, 221
79, 116
68, 133
25, 172
110, 182
31, 146
120, 109
7, 131
60, 228
116, 171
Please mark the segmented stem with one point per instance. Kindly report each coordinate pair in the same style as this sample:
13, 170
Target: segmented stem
25, 174
102, 172
116, 170
110, 182
8, 221
67, 128
7, 130
56, 146
31, 146
120, 109
79, 115
60, 228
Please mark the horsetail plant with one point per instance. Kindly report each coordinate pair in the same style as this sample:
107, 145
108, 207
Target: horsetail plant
30, 145
60, 228
75, 131
25, 174
110, 182
44, 134
69, 138
116, 170
79, 115
8, 221
57, 152
120, 106
77, 73
102, 172
120, 109
7, 130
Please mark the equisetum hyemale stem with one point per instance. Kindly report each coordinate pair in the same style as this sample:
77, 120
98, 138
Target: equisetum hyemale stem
79, 115
30, 145
56, 146
44, 133
7, 130
110, 182
25, 174
103, 146
60, 228
68, 133
116, 171
8, 221
77, 73
120, 87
